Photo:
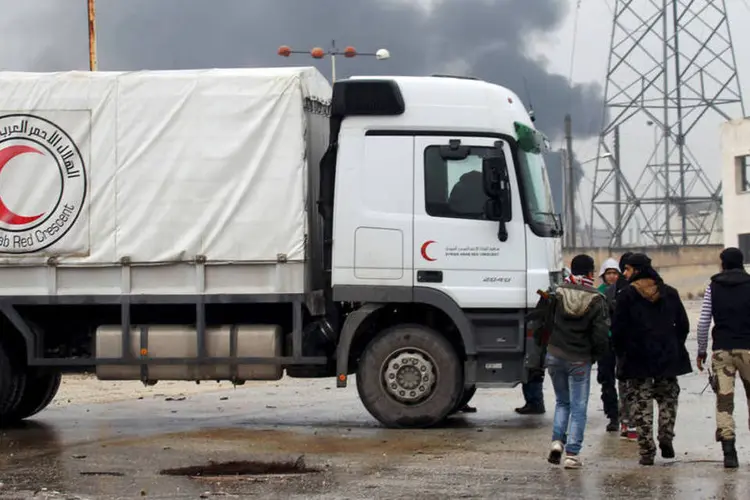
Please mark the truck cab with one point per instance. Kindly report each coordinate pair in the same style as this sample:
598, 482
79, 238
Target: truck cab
441, 229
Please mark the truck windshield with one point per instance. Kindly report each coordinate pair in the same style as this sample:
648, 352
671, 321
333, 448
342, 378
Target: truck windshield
536, 186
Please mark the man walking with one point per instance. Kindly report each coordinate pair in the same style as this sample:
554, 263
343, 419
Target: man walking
580, 326
649, 332
727, 301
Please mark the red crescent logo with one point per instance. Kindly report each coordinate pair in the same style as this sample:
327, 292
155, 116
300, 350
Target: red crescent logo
423, 250
7, 215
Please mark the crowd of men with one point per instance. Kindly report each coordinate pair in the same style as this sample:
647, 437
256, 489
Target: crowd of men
634, 326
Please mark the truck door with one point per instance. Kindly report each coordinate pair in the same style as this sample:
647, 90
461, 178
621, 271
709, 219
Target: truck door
456, 250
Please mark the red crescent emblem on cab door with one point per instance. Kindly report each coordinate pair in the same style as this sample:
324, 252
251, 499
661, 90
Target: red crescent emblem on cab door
423, 250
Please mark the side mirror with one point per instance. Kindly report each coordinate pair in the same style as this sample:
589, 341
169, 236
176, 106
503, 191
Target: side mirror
496, 184
492, 210
492, 169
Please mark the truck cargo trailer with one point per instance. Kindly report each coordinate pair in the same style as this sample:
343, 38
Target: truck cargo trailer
243, 224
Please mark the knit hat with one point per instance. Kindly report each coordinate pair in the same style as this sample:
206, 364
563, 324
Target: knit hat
609, 264
639, 261
732, 258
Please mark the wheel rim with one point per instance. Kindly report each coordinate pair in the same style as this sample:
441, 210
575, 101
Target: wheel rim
409, 376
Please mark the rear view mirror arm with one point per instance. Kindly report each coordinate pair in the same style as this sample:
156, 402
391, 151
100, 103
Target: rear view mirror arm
502, 231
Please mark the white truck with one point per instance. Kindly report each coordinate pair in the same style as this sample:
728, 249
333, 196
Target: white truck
241, 224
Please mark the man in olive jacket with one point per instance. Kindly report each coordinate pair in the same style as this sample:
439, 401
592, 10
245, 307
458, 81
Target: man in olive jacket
579, 338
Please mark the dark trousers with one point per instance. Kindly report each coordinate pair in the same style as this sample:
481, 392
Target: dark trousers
606, 377
533, 390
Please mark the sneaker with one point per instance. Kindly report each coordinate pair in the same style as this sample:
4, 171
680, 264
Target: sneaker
573, 462
612, 425
667, 450
646, 460
632, 434
623, 431
530, 410
555, 452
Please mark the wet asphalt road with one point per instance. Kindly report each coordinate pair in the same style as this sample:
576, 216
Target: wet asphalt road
117, 450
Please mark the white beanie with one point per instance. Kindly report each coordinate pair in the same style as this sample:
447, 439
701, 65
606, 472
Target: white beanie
609, 264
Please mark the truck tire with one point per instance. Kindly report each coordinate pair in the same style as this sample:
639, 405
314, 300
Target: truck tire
409, 376
12, 383
41, 388
468, 394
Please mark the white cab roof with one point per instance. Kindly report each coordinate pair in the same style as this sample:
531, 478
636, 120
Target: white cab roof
450, 104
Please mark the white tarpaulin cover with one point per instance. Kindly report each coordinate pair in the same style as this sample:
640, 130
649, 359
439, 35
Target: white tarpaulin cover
156, 166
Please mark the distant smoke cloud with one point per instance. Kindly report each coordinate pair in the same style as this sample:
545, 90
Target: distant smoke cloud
489, 39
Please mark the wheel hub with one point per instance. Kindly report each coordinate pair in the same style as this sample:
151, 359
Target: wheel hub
409, 376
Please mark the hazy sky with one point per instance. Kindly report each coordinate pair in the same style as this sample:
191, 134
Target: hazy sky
523, 44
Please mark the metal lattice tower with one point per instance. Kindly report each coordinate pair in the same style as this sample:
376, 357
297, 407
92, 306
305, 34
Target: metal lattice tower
672, 67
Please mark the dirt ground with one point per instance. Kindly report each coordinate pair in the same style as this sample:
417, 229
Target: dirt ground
121, 440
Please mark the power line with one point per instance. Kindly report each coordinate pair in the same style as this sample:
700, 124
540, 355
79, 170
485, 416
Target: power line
575, 41
571, 67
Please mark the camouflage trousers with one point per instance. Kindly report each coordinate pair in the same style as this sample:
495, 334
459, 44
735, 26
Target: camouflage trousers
626, 402
666, 392
726, 364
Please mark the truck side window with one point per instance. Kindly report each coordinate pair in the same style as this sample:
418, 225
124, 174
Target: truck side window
453, 188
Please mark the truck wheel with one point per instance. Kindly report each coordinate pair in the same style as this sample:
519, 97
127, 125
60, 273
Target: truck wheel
41, 388
468, 394
409, 376
12, 383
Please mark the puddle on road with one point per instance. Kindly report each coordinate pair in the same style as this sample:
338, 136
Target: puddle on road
278, 441
243, 468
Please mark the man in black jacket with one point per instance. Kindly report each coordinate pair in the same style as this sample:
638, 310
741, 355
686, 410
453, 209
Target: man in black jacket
649, 332
727, 301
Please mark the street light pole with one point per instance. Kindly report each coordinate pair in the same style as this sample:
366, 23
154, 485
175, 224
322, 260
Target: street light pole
571, 182
92, 36
333, 68
348, 52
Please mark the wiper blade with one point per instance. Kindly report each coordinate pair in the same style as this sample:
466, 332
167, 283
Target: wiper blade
557, 218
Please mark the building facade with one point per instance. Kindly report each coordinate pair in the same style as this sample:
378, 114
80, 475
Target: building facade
735, 145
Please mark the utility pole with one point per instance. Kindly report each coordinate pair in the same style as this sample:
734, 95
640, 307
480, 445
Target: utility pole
618, 190
570, 189
92, 36
564, 191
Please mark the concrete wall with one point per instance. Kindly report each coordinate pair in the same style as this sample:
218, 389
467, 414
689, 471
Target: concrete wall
687, 268
735, 143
